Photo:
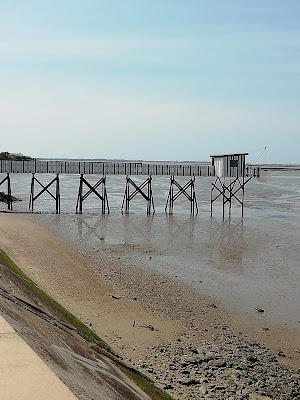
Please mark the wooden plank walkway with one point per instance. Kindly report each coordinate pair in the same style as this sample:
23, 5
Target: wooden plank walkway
110, 168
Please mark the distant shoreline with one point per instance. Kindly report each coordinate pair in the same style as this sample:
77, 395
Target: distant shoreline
281, 168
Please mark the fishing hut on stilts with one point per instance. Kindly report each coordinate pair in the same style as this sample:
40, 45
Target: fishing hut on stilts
231, 176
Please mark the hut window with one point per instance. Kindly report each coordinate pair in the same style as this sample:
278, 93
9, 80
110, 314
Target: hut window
234, 163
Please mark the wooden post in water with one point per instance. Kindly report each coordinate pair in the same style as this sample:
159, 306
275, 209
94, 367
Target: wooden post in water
8, 198
182, 190
45, 188
229, 190
92, 189
138, 189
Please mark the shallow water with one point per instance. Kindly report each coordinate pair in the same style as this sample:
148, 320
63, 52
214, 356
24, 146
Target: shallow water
245, 264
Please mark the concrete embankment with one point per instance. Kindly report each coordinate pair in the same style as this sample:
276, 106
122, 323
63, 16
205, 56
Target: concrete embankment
23, 375
62, 358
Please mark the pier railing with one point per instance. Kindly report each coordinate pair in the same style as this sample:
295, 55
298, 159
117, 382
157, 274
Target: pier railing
105, 168
112, 168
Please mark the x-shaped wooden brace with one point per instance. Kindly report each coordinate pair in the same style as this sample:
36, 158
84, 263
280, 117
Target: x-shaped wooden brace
229, 188
92, 189
138, 190
45, 189
181, 190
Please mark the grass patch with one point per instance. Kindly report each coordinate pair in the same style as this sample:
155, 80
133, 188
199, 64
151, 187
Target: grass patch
144, 383
138, 378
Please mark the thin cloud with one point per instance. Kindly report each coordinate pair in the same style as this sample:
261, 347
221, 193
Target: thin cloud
217, 39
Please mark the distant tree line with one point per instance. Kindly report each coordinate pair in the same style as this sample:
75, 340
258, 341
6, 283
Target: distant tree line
13, 157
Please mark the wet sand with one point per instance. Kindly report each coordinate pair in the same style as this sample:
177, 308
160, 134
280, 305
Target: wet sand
153, 320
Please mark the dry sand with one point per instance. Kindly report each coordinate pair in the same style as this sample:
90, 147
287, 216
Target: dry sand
153, 319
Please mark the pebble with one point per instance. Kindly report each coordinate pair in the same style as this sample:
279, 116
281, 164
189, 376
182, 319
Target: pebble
231, 369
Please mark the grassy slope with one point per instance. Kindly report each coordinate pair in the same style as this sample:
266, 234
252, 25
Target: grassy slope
141, 380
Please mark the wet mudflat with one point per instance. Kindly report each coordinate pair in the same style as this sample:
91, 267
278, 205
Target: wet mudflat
246, 264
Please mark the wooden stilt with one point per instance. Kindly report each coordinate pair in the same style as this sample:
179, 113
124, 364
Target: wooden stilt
223, 197
211, 200
229, 192
7, 199
182, 190
55, 196
138, 189
92, 189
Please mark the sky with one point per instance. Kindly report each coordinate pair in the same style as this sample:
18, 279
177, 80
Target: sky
152, 80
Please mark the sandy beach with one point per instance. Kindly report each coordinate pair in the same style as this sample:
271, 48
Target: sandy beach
186, 343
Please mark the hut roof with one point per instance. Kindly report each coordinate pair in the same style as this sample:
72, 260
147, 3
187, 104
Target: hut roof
228, 155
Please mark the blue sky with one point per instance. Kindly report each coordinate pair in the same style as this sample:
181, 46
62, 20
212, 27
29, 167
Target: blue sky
164, 79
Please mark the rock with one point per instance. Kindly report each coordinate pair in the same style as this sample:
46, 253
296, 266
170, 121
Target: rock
203, 389
252, 359
260, 310
168, 387
6, 198
255, 396
151, 327
199, 358
281, 354
116, 296
185, 372
189, 382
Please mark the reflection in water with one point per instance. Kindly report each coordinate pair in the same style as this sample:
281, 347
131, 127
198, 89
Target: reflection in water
181, 228
244, 264
137, 227
226, 243
86, 229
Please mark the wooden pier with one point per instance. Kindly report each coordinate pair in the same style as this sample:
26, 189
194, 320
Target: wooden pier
83, 168
105, 168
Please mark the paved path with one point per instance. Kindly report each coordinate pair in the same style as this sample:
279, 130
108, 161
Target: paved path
23, 375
